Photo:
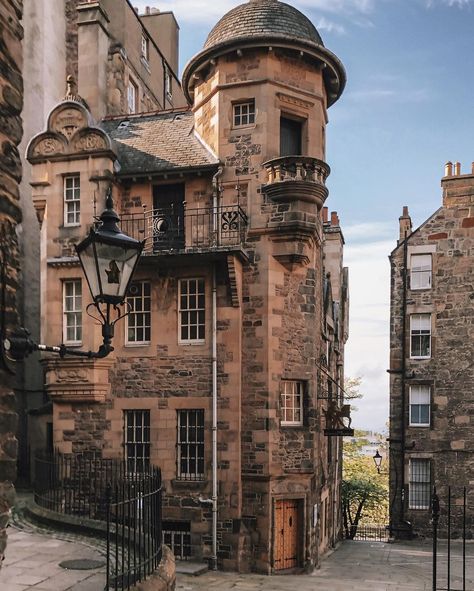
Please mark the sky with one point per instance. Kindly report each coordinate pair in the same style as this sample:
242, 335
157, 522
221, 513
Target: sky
407, 109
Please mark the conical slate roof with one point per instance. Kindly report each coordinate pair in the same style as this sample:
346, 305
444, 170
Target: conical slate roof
263, 18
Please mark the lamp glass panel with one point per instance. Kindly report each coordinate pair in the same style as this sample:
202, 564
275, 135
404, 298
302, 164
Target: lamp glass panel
90, 269
116, 265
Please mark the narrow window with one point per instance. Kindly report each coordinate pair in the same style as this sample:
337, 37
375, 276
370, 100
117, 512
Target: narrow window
420, 276
72, 200
168, 83
192, 313
420, 397
177, 535
420, 336
244, 113
137, 440
72, 312
145, 47
420, 484
132, 96
190, 445
291, 402
291, 136
139, 318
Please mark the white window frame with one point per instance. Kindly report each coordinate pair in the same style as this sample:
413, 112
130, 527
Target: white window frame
420, 271
417, 500
72, 199
168, 82
190, 449
137, 439
291, 402
418, 331
72, 311
192, 312
132, 96
139, 318
243, 113
145, 47
418, 392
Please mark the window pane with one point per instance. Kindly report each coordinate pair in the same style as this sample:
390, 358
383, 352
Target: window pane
137, 439
139, 319
192, 309
291, 402
190, 444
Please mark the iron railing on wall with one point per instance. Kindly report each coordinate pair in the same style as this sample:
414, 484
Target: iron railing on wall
103, 489
373, 533
176, 228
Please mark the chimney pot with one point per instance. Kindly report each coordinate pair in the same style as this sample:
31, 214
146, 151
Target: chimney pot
334, 218
325, 215
457, 168
147, 10
405, 224
448, 169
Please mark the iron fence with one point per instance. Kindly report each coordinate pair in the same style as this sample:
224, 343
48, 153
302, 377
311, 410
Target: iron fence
178, 228
103, 489
374, 533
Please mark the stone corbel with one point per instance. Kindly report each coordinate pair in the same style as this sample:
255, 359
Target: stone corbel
40, 208
235, 280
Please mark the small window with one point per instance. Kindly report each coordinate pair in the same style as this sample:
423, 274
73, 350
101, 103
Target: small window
190, 445
292, 402
192, 313
244, 113
420, 397
420, 336
168, 83
132, 96
72, 312
177, 535
72, 200
137, 440
139, 318
145, 47
420, 484
420, 276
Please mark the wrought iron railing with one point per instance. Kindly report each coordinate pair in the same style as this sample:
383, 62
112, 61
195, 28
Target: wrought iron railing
374, 533
172, 228
103, 489
296, 168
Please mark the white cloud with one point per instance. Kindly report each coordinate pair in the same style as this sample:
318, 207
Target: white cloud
450, 3
331, 27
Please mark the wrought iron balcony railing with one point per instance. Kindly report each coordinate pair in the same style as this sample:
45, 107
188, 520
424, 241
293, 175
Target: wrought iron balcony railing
166, 229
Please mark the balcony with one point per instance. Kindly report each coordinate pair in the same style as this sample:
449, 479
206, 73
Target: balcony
293, 178
176, 229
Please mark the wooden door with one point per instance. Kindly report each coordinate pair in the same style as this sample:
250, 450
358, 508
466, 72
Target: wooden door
286, 534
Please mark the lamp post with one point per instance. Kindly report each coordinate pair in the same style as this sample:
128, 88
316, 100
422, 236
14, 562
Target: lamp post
108, 258
377, 461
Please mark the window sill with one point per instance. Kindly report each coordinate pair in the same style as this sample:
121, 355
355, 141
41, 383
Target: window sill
291, 425
238, 128
419, 358
137, 345
421, 288
422, 425
191, 343
145, 64
74, 345
189, 484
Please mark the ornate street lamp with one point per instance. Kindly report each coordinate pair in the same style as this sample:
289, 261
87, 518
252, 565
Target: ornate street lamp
377, 461
108, 258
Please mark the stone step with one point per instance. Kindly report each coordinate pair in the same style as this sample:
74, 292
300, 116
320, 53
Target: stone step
186, 567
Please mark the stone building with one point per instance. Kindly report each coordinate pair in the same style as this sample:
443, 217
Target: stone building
125, 62
233, 351
11, 93
431, 355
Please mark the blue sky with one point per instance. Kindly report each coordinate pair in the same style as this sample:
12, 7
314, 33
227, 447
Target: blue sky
406, 110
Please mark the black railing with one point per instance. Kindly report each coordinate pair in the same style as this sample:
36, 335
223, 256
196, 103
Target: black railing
102, 489
373, 533
177, 228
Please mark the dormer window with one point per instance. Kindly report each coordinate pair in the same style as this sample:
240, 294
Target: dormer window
145, 47
244, 113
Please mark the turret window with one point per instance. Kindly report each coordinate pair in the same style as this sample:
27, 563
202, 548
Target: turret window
244, 113
72, 200
292, 402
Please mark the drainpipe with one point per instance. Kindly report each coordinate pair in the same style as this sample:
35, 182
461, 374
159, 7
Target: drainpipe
215, 197
403, 379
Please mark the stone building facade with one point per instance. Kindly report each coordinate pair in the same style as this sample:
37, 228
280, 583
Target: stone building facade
234, 348
431, 355
11, 101
101, 45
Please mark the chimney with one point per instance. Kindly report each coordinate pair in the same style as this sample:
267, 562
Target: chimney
147, 10
325, 215
405, 224
448, 169
334, 218
457, 168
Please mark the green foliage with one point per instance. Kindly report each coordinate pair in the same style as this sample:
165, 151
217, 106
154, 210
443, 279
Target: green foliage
364, 491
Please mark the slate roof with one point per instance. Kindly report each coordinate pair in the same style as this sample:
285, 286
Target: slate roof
263, 18
157, 142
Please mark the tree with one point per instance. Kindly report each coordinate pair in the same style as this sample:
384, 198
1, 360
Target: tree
364, 492
351, 390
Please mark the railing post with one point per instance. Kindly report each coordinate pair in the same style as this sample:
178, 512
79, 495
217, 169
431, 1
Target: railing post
108, 499
435, 521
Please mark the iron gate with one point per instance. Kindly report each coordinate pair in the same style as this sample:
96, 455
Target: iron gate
452, 523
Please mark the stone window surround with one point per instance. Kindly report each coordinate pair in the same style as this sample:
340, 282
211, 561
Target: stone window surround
72, 205
429, 404
421, 274
137, 438
250, 113
421, 312
145, 325
72, 312
193, 448
428, 458
302, 393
